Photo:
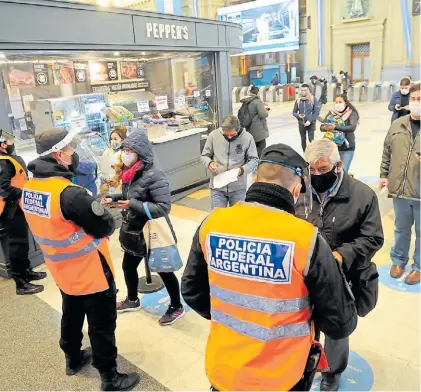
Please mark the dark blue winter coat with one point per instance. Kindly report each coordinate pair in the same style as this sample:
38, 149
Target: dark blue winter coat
398, 99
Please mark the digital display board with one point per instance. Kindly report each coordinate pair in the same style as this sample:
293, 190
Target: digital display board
268, 25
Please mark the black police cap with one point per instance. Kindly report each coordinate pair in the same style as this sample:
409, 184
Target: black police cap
284, 155
48, 139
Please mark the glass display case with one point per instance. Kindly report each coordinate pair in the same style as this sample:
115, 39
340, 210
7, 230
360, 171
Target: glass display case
94, 105
94, 143
63, 113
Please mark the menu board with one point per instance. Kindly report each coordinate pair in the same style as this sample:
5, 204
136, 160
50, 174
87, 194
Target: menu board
103, 71
131, 70
21, 75
63, 73
81, 72
41, 74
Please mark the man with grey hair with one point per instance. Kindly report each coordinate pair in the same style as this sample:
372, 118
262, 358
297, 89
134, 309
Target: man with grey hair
346, 211
228, 148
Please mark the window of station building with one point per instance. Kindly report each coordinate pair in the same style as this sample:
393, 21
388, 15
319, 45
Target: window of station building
97, 92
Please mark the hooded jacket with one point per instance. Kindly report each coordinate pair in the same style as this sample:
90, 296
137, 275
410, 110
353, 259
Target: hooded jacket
239, 152
259, 126
149, 185
399, 163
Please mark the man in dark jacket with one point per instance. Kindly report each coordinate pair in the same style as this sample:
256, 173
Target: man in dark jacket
306, 110
400, 173
346, 211
400, 100
14, 222
84, 211
259, 126
318, 88
277, 187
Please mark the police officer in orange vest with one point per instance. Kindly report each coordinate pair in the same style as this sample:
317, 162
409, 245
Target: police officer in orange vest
13, 175
264, 278
71, 228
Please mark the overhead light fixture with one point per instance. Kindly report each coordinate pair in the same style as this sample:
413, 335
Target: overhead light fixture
143, 53
2, 56
103, 3
116, 53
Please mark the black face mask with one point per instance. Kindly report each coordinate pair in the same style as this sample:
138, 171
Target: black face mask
10, 149
324, 182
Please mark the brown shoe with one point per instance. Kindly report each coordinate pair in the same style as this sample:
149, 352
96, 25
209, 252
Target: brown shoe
413, 278
396, 271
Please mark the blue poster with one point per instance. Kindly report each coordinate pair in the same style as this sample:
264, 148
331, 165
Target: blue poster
358, 376
251, 258
397, 284
157, 303
268, 25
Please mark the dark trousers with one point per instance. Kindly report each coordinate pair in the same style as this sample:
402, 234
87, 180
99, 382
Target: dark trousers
337, 353
304, 131
130, 264
17, 240
260, 146
100, 310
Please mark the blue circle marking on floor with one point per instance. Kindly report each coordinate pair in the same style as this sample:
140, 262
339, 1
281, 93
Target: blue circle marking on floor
358, 376
397, 284
157, 303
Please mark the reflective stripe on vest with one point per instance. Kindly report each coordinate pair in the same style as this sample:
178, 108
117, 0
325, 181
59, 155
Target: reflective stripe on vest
266, 305
59, 243
66, 256
261, 333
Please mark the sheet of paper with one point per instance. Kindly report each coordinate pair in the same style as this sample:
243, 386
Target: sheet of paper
161, 102
105, 165
143, 106
225, 178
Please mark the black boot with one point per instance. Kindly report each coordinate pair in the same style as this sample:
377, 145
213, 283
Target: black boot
31, 275
330, 382
115, 381
24, 288
74, 366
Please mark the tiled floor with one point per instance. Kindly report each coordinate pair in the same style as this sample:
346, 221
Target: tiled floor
173, 357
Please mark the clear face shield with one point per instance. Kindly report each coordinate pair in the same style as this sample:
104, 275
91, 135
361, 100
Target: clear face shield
305, 202
75, 154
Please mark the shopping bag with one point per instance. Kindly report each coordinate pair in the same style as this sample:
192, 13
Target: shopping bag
163, 255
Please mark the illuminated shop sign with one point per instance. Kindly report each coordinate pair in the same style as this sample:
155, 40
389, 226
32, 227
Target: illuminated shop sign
116, 87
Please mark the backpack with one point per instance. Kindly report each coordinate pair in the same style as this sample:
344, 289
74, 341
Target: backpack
244, 115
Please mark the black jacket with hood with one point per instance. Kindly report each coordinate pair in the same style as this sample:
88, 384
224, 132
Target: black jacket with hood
259, 125
149, 185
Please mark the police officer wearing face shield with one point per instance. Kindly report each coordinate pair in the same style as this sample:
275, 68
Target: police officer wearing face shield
263, 277
71, 228
13, 175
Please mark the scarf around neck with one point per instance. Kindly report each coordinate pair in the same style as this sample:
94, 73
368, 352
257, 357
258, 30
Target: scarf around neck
345, 114
128, 173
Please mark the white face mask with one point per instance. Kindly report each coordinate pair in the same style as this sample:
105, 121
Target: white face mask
128, 158
415, 108
404, 91
339, 107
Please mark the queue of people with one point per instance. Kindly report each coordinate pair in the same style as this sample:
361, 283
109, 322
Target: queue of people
303, 267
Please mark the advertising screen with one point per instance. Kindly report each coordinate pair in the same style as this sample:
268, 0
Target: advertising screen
268, 25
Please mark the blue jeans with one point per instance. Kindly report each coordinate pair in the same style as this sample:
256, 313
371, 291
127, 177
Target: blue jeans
406, 213
222, 199
346, 158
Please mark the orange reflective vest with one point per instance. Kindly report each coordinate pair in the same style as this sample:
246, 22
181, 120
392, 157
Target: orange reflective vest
261, 331
71, 255
18, 180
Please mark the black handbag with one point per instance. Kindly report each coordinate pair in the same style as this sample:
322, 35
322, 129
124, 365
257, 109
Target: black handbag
365, 287
132, 241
